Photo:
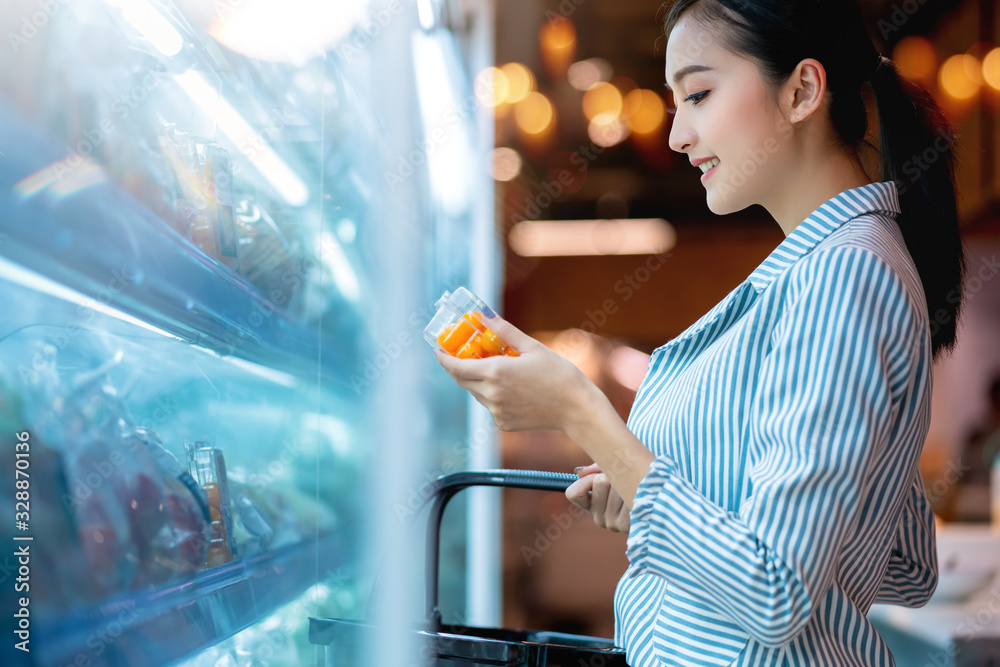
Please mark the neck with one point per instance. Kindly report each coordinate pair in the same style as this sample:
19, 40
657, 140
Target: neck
807, 189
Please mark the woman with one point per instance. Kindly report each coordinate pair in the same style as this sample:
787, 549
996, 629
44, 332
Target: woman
767, 476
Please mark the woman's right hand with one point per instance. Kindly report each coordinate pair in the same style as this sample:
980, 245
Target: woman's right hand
593, 492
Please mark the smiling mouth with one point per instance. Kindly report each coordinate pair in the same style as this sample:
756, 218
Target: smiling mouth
708, 168
708, 164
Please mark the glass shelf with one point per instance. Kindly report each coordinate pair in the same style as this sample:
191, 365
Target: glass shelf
108, 246
178, 620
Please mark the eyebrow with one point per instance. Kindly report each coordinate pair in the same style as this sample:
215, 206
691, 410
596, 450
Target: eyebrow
684, 71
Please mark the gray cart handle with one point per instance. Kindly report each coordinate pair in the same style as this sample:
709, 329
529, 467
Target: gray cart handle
446, 487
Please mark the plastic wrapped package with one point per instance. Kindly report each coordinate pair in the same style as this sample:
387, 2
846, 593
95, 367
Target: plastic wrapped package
130, 509
66, 584
76, 421
172, 536
273, 514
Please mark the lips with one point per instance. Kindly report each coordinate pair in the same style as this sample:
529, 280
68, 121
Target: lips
709, 168
706, 164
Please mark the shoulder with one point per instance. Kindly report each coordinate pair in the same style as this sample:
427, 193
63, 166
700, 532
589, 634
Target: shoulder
867, 269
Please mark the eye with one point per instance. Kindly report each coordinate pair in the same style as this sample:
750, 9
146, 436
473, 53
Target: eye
696, 98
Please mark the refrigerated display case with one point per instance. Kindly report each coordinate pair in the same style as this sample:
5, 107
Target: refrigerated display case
222, 229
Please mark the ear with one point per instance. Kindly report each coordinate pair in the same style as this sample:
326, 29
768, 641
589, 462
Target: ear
805, 89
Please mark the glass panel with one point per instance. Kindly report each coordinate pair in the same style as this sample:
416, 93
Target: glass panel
222, 230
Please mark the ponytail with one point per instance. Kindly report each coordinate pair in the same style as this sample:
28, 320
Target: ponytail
917, 143
916, 152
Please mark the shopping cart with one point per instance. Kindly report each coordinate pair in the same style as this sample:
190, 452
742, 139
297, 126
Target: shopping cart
449, 645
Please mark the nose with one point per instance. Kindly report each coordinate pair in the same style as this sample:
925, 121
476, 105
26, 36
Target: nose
682, 137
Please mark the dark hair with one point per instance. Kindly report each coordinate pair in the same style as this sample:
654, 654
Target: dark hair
916, 140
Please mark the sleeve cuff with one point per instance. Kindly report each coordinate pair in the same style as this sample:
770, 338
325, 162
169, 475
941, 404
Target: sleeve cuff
644, 509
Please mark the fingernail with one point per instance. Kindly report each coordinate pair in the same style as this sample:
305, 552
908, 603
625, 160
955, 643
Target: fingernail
578, 469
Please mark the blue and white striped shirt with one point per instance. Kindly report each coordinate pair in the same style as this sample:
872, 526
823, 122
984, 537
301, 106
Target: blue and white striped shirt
787, 423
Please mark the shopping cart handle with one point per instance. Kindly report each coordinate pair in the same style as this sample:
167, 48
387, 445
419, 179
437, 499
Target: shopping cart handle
442, 491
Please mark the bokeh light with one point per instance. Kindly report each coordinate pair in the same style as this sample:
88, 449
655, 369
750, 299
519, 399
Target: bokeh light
645, 110
602, 98
607, 134
557, 41
520, 81
534, 113
558, 33
492, 87
624, 84
960, 76
916, 58
586, 73
991, 68
505, 164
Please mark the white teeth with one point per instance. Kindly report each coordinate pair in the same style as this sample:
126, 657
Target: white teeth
705, 166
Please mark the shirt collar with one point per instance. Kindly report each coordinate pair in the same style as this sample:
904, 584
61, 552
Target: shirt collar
822, 222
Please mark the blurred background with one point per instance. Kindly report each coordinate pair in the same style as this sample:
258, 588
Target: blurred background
223, 227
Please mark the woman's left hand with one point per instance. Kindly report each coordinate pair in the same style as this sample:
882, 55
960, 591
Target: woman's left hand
537, 390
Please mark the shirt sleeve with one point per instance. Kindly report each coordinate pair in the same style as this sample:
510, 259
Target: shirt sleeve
911, 576
820, 412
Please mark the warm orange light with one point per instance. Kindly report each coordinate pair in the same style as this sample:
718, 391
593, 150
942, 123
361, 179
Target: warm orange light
557, 34
520, 80
960, 76
492, 86
645, 110
534, 113
561, 238
624, 84
586, 73
915, 58
557, 42
602, 98
991, 68
607, 130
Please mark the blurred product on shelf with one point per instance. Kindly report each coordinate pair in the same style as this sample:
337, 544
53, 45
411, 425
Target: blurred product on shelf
123, 502
203, 192
171, 537
208, 468
266, 258
67, 583
219, 182
110, 491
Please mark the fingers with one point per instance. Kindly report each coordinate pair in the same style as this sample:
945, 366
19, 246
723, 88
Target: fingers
578, 492
583, 471
613, 516
509, 333
599, 498
462, 370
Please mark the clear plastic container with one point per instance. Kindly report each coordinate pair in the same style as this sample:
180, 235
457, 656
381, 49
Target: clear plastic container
459, 327
209, 469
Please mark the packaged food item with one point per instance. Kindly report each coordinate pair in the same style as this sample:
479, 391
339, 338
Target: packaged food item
208, 468
219, 182
203, 197
173, 535
265, 255
117, 510
459, 327
254, 530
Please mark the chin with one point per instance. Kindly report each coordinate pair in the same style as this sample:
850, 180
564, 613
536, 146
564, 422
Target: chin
721, 205
725, 203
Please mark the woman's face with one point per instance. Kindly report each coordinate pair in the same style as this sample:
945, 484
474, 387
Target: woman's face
725, 111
